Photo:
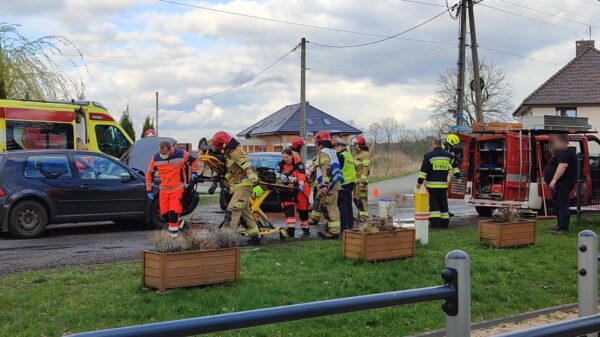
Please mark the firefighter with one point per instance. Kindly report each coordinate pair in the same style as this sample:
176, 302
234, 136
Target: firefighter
361, 190
345, 195
291, 166
329, 178
243, 182
434, 172
297, 145
171, 164
451, 141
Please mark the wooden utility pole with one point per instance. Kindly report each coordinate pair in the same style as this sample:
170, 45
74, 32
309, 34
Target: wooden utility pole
460, 87
156, 118
303, 97
475, 56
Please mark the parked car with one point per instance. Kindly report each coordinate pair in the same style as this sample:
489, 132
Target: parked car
42, 188
259, 160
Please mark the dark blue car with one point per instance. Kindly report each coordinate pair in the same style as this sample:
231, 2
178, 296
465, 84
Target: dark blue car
41, 188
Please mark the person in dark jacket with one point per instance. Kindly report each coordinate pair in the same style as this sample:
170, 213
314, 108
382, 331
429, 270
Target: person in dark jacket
434, 172
561, 176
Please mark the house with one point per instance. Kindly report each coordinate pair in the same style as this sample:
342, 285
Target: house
277, 131
574, 91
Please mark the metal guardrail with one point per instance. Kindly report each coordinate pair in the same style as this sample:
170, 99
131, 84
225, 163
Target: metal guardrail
456, 293
571, 328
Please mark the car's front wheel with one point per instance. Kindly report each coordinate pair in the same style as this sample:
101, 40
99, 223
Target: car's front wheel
28, 219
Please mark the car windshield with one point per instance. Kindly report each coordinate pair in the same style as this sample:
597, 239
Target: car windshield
269, 160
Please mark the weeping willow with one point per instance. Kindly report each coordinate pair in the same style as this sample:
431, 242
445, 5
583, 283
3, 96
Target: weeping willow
28, 68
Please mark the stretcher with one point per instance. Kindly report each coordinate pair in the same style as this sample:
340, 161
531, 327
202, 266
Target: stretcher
269, 182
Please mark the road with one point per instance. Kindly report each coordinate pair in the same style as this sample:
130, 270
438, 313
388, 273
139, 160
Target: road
106, 242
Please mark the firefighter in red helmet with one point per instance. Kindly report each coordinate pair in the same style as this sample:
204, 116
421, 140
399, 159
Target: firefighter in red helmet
361, 189
243, 182
297, 145
329, 178
149, 133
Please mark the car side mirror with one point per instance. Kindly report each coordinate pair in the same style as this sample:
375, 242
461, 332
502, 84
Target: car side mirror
138, 171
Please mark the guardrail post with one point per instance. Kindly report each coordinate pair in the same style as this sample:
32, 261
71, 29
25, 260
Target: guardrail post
458, 314
587, 280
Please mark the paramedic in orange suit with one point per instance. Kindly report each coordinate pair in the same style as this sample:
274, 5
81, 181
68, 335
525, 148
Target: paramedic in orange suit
171, 164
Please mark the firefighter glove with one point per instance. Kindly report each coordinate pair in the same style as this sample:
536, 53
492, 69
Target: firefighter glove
150, 196
258, 191
227, 176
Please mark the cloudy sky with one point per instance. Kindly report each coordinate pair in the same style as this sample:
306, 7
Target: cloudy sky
133, 48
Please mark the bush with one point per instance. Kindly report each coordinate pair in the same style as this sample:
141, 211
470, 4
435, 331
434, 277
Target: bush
191, 240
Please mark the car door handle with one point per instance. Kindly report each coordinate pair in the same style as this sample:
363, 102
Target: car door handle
85, 186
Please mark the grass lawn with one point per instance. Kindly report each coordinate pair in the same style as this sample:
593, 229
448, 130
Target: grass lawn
66, 300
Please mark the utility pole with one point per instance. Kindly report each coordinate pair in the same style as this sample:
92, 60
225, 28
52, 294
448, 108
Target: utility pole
156, 118
460, 87
303, 97
475, 56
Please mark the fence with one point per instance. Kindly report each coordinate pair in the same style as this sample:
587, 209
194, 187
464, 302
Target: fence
456, 293
590, 213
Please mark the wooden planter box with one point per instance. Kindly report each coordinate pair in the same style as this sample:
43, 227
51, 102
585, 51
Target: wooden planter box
186, 269
503, 235
379, 246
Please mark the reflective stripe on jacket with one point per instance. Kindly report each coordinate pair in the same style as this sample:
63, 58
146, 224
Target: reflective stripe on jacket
171, 171
435, 168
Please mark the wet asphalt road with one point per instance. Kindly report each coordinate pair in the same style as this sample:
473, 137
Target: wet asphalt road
77, 244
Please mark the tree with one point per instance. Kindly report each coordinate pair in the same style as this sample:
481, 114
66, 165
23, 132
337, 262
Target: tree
127, 123
148, 124
496, 96
28, 69
374, 132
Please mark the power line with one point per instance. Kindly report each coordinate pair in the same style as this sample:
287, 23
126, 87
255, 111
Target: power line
424, 3
589, 3
517, 55
296, 23
381, 61
546, 13
384, 39
564, 10
534, 19
240, 83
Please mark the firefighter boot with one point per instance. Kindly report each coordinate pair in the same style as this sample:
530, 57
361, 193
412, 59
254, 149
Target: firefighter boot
291, 232
306, 231
226, 220
254, 240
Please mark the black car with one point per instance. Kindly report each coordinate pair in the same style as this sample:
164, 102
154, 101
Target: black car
41, 188
259, 160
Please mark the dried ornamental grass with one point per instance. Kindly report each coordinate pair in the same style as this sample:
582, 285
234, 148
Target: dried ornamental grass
376, 225
506, 215
190, 240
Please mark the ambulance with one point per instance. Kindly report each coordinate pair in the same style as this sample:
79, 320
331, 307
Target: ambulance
35, 125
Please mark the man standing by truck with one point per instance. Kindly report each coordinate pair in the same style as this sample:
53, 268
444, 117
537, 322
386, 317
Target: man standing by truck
561, 176
171, 164
434, 172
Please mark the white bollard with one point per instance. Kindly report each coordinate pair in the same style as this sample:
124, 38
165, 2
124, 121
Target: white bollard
587, 275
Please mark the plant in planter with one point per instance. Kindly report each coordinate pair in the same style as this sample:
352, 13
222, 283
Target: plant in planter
192, 259
377, 239
507, 229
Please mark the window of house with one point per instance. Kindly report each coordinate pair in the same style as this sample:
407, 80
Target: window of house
326, 121
111, 140
47, 167
309, 121
566, 112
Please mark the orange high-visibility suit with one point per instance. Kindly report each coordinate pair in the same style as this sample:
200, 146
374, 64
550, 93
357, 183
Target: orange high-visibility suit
172, 174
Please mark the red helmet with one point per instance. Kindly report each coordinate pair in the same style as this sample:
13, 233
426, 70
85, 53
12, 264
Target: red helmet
149, 133
322, 136
298, 143
360, 140
220, 140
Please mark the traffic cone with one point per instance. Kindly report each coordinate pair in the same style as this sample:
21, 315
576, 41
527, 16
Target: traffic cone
376, 191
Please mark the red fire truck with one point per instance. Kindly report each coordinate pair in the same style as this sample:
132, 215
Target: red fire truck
505, 168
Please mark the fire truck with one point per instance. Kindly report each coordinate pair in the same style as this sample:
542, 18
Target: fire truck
504, 168
35, 125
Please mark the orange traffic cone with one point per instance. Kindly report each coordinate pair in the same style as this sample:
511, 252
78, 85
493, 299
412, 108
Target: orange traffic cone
375, 191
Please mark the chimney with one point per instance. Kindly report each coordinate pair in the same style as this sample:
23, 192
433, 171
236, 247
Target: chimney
583, 45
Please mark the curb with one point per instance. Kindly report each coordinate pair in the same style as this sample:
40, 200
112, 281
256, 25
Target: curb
511, 319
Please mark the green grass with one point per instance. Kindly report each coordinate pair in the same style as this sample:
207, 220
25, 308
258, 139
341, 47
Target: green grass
504, 282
